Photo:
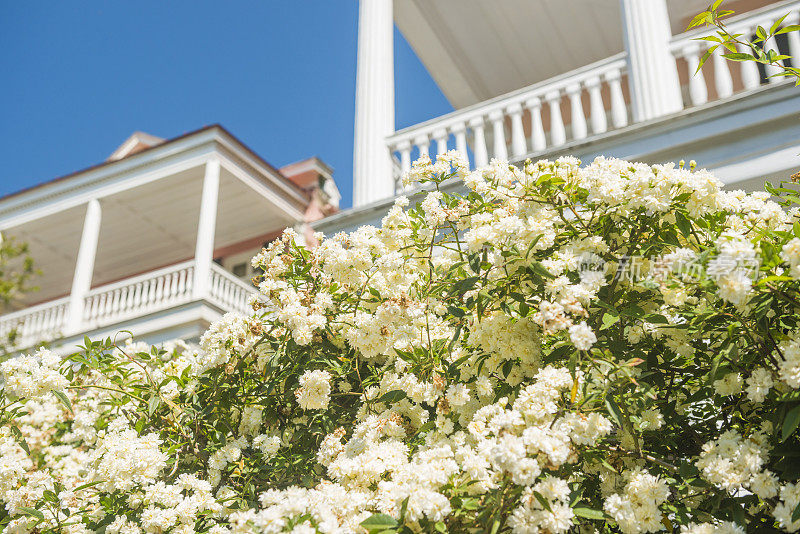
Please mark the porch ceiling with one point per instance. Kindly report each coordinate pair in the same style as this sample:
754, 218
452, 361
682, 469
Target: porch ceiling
479, 49
144, 228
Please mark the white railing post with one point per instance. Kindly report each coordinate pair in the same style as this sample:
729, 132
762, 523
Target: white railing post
372, 161
578, 119
518, 143
204, 246
404, 147
538, 140
479, 137
558, 135
84, 266
596, 107
460, 132
792, 37
655, 87
440, 136
723, 82
749, 69
698, 92
422, 142
499, 150
619, 111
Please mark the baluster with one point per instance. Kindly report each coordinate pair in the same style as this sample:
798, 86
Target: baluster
440, 136
160, 289
189, 279
499, 150
479, 138
771, 70
422, 142
173, 288
698, 92
115, 302
37, 322
793, 38
101, 306
460, 133
576, 110
596, 107
558, 136
404, 147
749, 69
518, 142
125, 299
137, 296
88, 309
229, 292
722, 75
538, 140
619, 111
151, 292
181, 282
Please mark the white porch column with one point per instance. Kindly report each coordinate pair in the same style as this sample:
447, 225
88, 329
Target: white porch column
204, 246
84, 266
653, 74
372, 164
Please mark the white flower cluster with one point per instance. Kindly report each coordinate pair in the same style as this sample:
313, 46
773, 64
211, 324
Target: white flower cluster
314, 392
732, 462
33, 376
636, 509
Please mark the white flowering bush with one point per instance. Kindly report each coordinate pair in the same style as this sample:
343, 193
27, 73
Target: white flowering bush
610, 348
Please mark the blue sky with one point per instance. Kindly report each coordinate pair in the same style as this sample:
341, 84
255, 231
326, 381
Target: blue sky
79, 77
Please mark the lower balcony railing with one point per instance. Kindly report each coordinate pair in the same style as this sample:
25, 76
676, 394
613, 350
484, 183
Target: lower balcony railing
127, 299
588, 101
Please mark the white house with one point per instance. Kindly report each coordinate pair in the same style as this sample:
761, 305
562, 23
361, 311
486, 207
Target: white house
157, 239
544, 78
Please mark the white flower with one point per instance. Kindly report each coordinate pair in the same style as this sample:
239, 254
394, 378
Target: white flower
582, 336
314, 392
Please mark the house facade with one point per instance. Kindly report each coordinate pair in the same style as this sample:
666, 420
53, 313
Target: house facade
156, 241
544, 78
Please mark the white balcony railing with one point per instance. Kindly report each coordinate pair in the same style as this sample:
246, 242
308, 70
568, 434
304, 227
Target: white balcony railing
586, 102
43, 322
140, 295
127, 299
725, 77
533, 128
228, 291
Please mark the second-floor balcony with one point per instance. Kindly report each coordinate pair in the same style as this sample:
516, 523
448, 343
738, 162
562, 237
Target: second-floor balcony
137, 298
583, 111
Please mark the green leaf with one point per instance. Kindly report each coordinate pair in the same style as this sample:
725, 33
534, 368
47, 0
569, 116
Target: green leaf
796, 513
152, 404
736, 56
609, 320
396, 395
379, 523
684, 225
544, 502
614, 411
64, 400
777, 24
704, 58
588, 513
31, 512
790, 422
20, 439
